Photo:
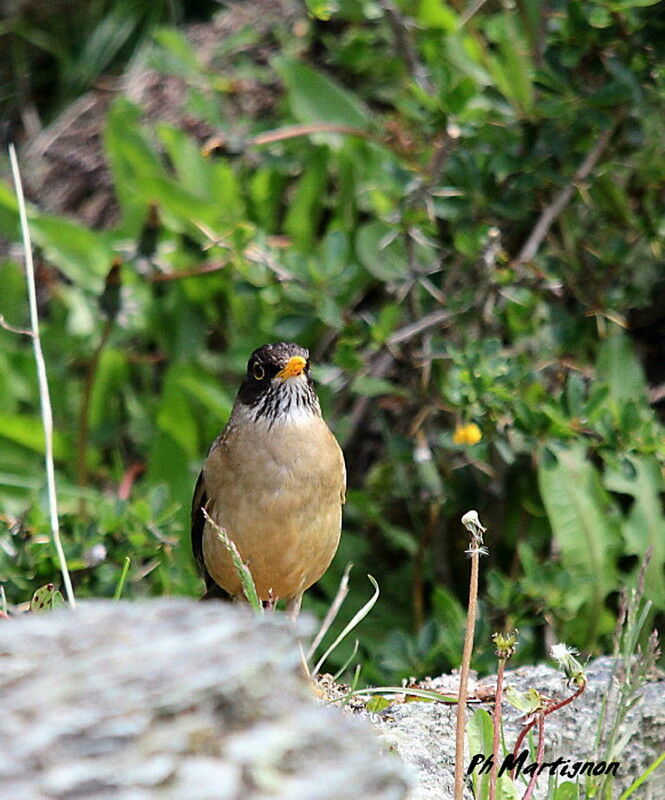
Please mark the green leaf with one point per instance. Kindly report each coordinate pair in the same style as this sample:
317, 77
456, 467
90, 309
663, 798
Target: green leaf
26, 430
307, 205
579, 511
9, 224
566, 791
131, 155
175, 416
381, 251
46, 598
322, 9
619, 366
369, 386
479, 731
525, 702
377, 703
110, 378
436, 15
316, 98
177, 55
512, 67
84, 256
644, 526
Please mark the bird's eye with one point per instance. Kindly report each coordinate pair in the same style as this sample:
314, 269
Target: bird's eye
259, 372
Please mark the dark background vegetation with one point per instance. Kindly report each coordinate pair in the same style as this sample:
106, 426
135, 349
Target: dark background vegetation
466, 227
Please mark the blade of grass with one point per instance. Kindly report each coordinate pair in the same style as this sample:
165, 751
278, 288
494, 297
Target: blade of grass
45, 398
246, 580
358, 617
347, 662
643, 777
332, 612
425, 694
122, 579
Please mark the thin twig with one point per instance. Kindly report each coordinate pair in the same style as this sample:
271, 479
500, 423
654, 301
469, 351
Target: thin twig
473, 9
294, 131
12, 329
163, 277
332, 612
404, 45
431, 320
45, 399
549, 214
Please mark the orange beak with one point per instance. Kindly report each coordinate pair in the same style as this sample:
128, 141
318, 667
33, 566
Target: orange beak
295, 366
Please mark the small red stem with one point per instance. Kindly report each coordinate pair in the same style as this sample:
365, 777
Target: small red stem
549, 710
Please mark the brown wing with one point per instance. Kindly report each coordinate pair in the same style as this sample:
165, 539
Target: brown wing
199, 502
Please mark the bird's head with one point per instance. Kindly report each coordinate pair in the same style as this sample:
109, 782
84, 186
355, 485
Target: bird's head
278, 386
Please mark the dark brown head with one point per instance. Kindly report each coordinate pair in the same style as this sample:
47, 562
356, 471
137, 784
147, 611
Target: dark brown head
278, 385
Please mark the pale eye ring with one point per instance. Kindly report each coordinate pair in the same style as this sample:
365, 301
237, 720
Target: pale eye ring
259, 372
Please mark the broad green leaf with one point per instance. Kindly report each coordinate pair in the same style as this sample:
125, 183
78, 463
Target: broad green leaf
111, 375
370, 386
9, 225
316, 98
176, 54
619, 367
131, 155
525, 702
192, 167
566, 791
381, 251
208, 392
582, 519
26, 430
644, 527
479, 731
82, 255
178, 205
512, 67
437, 15
175, 416
307, 205
377, 704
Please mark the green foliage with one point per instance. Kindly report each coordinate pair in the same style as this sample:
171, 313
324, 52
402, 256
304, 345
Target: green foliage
381, 228
47, 56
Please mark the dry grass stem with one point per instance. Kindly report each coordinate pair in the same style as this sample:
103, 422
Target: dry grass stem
472, 523
44, 396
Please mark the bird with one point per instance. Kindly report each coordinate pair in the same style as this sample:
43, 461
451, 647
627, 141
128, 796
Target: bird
275, 480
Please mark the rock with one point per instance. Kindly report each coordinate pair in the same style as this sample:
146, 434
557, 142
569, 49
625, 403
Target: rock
174, 699
424, 733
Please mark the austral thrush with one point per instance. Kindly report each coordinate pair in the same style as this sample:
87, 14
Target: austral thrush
275, 480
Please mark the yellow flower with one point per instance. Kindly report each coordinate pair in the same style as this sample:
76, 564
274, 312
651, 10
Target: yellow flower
467, 434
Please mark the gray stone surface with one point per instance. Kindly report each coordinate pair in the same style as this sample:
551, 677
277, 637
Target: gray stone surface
174, 699
424, 733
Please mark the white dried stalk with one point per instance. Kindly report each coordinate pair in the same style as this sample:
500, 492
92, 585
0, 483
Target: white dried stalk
45, 399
